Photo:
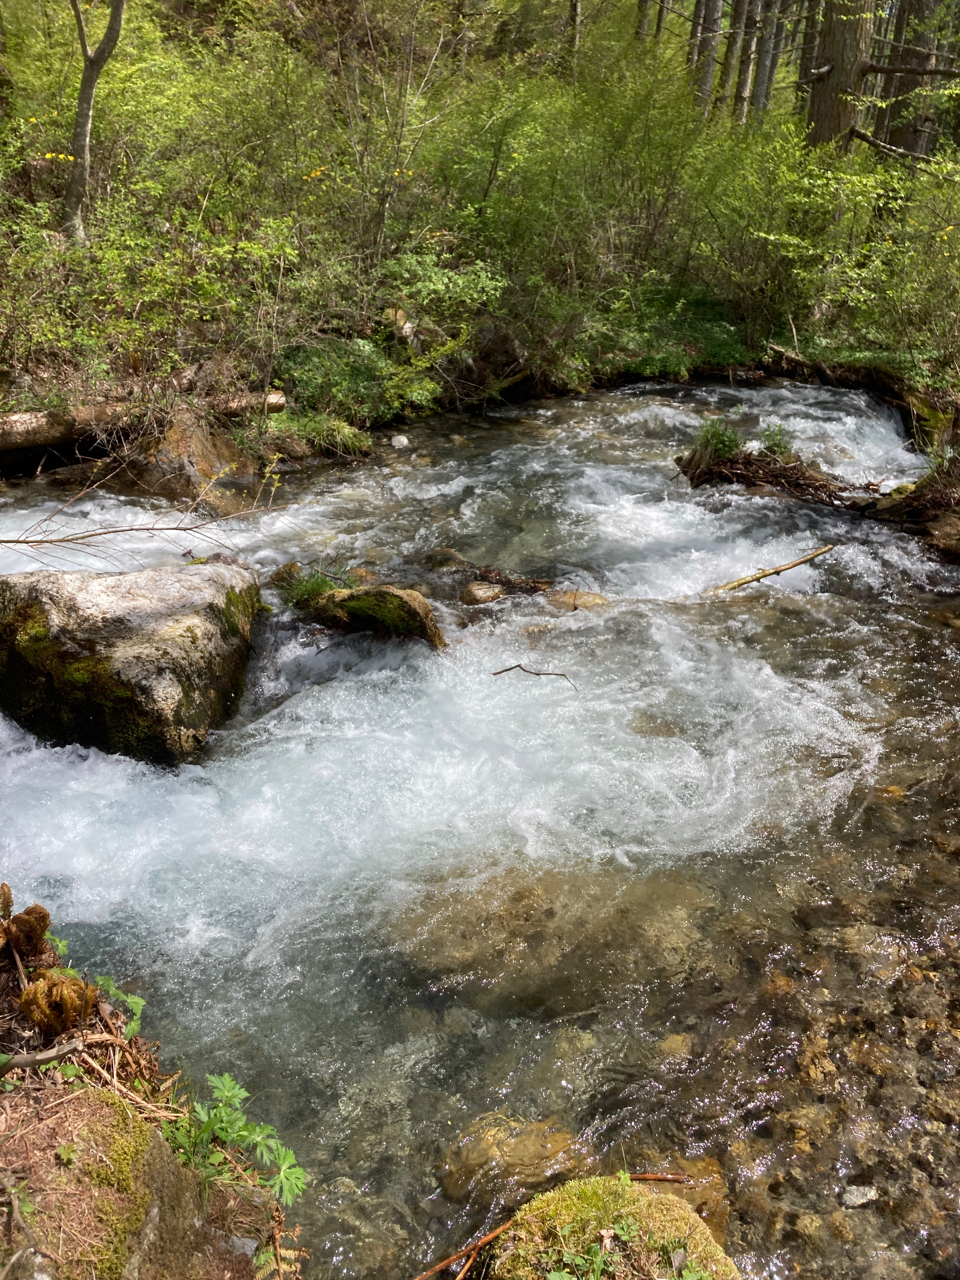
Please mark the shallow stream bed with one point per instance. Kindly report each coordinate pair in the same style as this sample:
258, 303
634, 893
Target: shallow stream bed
697, 902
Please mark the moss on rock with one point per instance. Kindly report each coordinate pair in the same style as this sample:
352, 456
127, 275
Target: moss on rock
387, 611
141, 664
644, 1235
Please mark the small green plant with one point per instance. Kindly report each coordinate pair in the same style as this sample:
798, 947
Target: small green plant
773, 440
719, 438
60, 945
208, 1135
134, 1003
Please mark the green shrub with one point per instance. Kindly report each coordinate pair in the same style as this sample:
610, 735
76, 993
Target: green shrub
773, 440
719, 437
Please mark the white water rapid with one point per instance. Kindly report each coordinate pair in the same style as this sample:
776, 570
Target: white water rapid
273, 900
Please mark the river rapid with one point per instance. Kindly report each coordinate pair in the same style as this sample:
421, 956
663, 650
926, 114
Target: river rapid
697, 902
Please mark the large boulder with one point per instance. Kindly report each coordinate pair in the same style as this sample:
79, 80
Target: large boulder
142, 664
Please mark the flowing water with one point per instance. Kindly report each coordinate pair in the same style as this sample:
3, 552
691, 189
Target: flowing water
698, 900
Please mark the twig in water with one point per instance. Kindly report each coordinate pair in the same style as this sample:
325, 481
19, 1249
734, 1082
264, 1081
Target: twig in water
659, 1177
769, 573
518, 666
470, 1248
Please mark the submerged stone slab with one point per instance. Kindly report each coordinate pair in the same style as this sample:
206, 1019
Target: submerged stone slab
141, 664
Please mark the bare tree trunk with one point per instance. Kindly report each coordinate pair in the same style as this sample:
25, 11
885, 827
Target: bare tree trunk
748, 55
778, 39
643, 18
765, 48
844, 48
696, 27
808, 49
661, 18
888, 85
573, 38
731, 54
910, 124
709, 45
93, 64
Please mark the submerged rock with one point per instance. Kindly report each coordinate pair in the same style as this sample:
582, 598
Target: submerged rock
141, 664
502, 1157
385, 610
572, 600
556, 940
482, 593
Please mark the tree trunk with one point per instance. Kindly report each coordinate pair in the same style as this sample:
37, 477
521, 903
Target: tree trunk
731, 55
748, 53
643, 18
573, 38
765, 48
93, 64
844, 47
778, 39
888, 85
661, 17
696, 27
910, 125
709, 44
808, 50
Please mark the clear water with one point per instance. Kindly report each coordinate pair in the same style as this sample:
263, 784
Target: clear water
322, 903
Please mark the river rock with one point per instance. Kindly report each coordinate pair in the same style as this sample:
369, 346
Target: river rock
557, 940
188, 460
572, 600
385, 610
481, 593
141, 664
502, 1157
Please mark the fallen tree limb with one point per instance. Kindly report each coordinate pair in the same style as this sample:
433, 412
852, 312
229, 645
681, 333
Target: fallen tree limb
518, 666
462, 1253
24, 1060
770, 573
659, 1177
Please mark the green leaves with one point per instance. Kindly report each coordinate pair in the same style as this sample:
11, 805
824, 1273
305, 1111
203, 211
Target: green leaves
134, 1003
205, 1138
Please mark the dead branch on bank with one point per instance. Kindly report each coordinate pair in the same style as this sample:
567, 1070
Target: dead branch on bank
770, 573
518, 666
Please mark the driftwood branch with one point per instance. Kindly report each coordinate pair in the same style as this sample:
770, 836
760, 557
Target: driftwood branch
477, 1245
518, 666
42, 1059
769, 573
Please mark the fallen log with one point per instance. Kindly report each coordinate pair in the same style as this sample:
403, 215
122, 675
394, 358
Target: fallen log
46, 428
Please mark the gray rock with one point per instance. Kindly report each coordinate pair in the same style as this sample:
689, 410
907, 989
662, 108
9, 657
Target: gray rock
141, 664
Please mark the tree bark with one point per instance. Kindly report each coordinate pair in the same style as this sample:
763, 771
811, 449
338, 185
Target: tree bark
765, 50
748, 55
709, 45
573, 38
731, 54
696, 27
844, 47
93, 64
909, 124
808, 49
643, 18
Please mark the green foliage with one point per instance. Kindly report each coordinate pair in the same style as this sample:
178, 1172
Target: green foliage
210, 1134
719, 437
303, 591
773, 439
134, 1003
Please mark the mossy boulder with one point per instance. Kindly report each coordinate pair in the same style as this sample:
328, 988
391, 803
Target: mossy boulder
384, 610
141, 664
630, 1230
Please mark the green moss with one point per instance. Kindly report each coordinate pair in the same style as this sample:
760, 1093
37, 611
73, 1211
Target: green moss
113, 1158
239, 610
648, 1225
385, 610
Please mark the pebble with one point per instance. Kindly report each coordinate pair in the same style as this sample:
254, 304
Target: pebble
399, 442
854, 1197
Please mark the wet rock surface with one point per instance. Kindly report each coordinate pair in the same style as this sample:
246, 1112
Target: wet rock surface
385, 610
142, 664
